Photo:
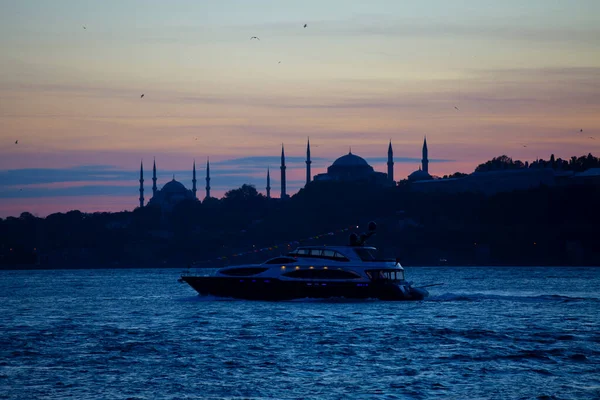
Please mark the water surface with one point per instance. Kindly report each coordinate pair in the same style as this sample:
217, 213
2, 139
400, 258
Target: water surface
488, 332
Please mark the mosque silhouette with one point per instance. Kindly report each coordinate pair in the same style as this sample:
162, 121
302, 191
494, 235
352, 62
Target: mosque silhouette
347, 168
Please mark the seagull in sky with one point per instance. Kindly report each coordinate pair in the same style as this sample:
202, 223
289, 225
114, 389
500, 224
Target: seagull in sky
524, 145
142, 95
581, 130
255, 37
591, 137
16, 142
305, 25
456, 108
84, 27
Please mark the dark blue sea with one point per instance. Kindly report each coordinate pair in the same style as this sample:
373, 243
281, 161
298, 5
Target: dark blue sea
487, 333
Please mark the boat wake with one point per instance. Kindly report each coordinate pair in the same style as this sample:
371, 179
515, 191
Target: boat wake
474, 297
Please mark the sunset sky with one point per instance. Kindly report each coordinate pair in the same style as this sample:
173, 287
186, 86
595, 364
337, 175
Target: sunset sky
522, 73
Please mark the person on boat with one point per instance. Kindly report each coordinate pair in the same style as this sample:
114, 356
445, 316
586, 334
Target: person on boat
360, 241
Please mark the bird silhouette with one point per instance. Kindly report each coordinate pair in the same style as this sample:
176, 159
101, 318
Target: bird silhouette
456, 107
255, 37
591, 137
142, 96
279, 62
524, 145
16, 142
84, 27
305, 25
581, 130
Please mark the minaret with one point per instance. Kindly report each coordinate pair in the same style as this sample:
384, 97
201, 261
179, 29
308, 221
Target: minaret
194, 180
390, 163
154, 188
283, 194
268, 184
207, 178
425, 161
308, 162
141, 184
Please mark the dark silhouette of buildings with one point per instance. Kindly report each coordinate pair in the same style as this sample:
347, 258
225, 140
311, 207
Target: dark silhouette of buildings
348, 168
492, 217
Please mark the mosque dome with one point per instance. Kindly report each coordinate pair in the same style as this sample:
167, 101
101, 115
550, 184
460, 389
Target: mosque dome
170, 195
174, 187
352, 168
419, 175
350, 160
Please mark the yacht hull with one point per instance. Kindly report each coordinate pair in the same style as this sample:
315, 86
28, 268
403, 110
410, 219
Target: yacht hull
276, 289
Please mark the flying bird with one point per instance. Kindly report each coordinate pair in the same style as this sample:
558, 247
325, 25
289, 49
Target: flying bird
456, 107
305, 25
84, 27
591, 137
581, 130
16, 142
524, 145
142, 96
255, 37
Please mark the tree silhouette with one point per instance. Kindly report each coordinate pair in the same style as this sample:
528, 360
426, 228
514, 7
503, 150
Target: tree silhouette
500, 163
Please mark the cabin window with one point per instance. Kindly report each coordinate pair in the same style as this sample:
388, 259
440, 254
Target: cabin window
386, 275
329, 253
280, 260
243, 271
340, 257
322, 274
319, 253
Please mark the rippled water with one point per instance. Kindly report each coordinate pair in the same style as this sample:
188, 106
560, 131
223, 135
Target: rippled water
487, 333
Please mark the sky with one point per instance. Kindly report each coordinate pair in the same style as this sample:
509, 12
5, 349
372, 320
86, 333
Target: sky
525, 77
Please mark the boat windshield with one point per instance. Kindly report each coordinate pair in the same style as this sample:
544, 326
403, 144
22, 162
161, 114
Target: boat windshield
366, 254
391, 275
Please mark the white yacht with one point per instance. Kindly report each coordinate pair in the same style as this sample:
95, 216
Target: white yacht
351, 272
